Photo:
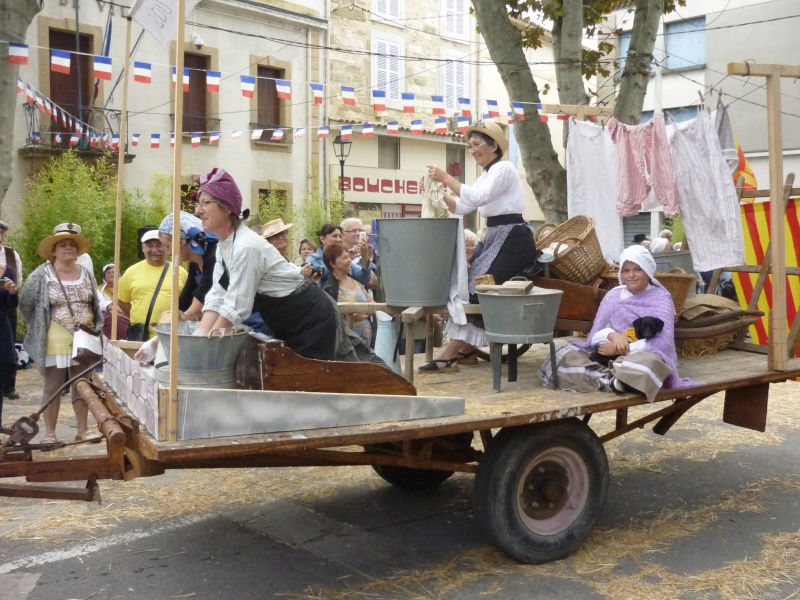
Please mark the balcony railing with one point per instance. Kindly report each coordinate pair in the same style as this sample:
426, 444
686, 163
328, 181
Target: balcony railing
197, 123
43, 130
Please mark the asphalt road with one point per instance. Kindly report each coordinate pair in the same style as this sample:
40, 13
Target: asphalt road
709, 511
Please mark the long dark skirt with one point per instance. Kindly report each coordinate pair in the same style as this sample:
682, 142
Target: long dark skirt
517, 252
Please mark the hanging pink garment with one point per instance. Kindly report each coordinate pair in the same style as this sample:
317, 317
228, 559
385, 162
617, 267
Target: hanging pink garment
643, 164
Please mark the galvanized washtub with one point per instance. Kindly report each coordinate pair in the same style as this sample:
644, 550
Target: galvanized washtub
520, 319
204, 353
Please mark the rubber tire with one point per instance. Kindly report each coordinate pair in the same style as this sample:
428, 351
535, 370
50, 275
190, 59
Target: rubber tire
521, 349
573, 456
412, 479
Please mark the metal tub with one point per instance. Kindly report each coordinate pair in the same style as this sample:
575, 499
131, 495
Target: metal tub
204, 353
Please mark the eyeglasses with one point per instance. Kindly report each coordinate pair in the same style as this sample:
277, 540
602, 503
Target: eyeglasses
204, 203
474, 147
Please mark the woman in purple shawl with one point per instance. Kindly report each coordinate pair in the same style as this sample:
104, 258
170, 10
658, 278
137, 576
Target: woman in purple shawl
644, 365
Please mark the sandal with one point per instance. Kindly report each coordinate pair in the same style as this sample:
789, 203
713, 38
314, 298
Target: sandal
450, 366
89, 436
468, 358
49, 439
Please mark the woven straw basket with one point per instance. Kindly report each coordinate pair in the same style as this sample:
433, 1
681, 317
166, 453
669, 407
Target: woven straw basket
678, 283
582, 259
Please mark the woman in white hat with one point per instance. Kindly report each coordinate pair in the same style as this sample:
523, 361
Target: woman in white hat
509, 246
277, 234
60, 297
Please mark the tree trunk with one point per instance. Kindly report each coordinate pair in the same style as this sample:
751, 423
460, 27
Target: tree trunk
543, 172
15, 17
567, 37
635, 77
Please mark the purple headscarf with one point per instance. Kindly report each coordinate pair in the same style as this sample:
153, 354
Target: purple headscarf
221, 185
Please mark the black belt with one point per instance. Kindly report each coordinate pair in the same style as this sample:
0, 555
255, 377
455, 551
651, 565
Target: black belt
513, 219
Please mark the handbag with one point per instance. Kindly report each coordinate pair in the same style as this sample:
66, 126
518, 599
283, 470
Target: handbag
139, 332
87, 345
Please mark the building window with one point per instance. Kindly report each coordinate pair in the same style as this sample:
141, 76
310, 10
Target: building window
623, 45
685, 44
455, 83
387, 9
388, 153
454, 18
195, 109
74, 91
272, 204
269, 105
386, 67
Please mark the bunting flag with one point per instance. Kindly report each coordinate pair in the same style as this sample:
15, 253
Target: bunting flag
346, 132
277, 135
102, 67
408, 102
562, 117
366, 130
195, 139
172, 140
78, 127
538, 106
510, 120
212, 81
74, 139
392, 127
29, 94
519, 110
378, 100
105, 140
142, 72
463, 123
94, 140
155, 140
256, 134
185, 78
543, 118
316, 91
438, 105
441, 125
491, 106
64, 118
17, 53
39, 102
248, 85
58, 138
115, 142
135, 140
47, 108
235, 135
323, 131
36, 138
465, 107
416, 127
284, 89
213, 139
60, 61
743, 170
20, 87
299, 132
348, 95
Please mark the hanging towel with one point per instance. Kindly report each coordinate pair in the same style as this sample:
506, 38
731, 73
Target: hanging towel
459, 294
725, 134
433, 205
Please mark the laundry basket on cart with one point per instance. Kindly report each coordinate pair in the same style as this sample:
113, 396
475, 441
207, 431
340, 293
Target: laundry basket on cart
578, 256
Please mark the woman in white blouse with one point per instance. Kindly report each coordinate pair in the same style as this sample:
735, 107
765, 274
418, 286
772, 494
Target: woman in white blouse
509, 246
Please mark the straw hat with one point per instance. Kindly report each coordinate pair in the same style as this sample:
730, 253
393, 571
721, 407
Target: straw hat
274, 227
491, 129
46, 246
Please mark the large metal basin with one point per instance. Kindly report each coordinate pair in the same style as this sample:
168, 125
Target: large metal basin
204, 353
524, 319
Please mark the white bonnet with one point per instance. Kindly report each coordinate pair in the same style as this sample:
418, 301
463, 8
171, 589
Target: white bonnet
642, 257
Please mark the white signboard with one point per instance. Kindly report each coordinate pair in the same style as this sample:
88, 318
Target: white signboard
159, 17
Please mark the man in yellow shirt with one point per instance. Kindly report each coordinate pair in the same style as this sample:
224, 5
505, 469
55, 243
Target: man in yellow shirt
139, 282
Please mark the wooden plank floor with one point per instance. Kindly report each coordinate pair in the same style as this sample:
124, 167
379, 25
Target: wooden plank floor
520, 402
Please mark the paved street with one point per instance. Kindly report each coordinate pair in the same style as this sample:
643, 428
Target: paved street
709, 511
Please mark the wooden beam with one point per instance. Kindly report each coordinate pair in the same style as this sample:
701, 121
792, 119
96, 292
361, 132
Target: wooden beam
763, 70
580, 111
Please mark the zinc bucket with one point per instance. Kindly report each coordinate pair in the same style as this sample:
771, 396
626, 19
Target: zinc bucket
524, 319
204, 353
218, 380
417, 258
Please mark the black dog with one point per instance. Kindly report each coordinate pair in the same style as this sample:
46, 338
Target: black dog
646, 328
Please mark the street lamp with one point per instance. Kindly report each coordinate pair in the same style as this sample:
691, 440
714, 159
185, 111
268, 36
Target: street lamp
341, 148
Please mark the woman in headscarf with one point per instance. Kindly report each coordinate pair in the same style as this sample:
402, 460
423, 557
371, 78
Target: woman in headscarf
643, 365
509, 246
252, 276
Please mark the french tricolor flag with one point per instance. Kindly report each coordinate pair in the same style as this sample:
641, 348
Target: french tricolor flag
102, 67
106, 145
78, 127
465, 107
277, 135
155, 140
316, 91
36, 138
366, 130
235, 135
346, 132
378, 100
115, 142
491, 106
64, 118
393, 127
195, 139
543, 118
323, 131
20, 86
408, 102
441, 125
510, 120
416, 127
562, 117
17, 54
212, 80
135, 140
59, 61
29, 93
519, 110
40, 102
172, 140
256, 134
48, 109
57, 139
94, 140
74, 139
299, 132
463, 123
349, 95
284, 89
248, 85
142, 72
438, 105
213, 139
185, 79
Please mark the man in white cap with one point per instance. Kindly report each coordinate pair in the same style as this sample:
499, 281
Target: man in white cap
10, 257
84, 259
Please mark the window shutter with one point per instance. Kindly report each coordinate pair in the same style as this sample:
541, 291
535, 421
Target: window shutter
394, 71
382, 7
394, 8
381, 75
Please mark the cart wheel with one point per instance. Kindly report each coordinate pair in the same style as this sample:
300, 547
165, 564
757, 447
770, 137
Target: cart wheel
522, 349
412, 479
540, 489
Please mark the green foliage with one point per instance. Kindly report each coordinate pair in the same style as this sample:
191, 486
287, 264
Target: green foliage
675, 225
272, 205
314, 212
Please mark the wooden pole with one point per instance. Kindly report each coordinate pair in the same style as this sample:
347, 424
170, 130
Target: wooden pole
123, 137
172, 424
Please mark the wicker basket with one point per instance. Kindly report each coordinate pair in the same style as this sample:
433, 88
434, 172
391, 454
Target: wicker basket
678, 283
582, 260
